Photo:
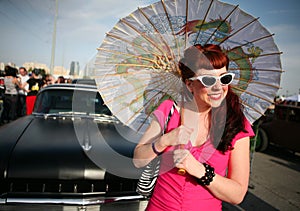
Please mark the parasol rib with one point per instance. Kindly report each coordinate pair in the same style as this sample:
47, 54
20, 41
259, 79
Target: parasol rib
130, 92
186, 20
149, 102
112, 87
155, 63
223, 21
251, 107
120, 74
237, 31
154, 67
250, 93
255, 69
171, 27
261, 55
126, 54
131, 43
126, 64
250, 42
140, 109
204, 19
156, 30
143, 35
261, 83
120, 85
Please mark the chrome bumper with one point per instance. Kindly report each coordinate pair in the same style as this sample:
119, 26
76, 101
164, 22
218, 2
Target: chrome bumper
86, 200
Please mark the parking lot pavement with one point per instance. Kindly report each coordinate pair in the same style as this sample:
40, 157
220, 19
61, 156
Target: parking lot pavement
274, 182
274, 185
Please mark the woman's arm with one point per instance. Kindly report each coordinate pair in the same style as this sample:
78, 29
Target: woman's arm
233, 188
143, 152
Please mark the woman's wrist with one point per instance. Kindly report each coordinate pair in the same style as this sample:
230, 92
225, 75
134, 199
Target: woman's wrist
157, 148
208, 176
154, 149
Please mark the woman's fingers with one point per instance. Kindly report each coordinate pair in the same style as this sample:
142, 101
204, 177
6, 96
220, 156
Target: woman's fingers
184, 134
180, 135
180, 155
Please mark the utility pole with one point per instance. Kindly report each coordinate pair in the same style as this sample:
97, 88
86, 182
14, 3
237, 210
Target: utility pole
54, 39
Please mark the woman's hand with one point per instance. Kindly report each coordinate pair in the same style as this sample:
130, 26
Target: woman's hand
183, 159
179, 136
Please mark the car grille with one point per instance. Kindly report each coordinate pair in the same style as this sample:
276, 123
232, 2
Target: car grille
67, 192
68, 186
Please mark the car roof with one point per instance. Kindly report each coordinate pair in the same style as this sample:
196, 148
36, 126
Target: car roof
70, 87
84, 81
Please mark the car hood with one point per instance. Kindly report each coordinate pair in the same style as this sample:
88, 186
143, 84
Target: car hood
71, 148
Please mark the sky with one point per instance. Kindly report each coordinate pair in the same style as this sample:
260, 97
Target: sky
27, 30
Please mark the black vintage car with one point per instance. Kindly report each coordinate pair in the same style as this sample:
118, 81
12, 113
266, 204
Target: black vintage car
280, 126
71, 150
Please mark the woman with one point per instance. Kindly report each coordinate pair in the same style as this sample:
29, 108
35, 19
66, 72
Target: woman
215, 135
12, 84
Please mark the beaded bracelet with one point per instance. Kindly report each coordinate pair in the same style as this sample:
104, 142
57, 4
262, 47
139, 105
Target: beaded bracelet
208, 176
154, 149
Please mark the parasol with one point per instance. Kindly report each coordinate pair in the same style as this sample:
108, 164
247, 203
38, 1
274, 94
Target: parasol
136, 65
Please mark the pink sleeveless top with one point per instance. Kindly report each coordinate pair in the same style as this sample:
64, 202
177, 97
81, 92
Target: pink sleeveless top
176, 192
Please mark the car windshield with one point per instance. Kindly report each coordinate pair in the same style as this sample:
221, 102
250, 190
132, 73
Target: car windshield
69, 101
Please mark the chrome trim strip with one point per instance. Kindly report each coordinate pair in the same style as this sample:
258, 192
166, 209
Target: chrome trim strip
69, 201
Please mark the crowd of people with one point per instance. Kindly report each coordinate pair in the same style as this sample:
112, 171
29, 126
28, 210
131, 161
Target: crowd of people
19, 90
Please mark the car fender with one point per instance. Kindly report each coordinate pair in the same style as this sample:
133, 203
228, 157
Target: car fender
10, 134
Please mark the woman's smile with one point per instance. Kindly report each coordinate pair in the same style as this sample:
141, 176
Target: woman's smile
215, 96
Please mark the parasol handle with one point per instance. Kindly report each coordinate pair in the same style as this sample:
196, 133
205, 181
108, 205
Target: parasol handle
181, 171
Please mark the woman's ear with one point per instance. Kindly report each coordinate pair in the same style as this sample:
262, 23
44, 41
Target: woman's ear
189, 86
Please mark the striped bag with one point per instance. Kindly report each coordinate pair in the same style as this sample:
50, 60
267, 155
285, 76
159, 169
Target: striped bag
149, 175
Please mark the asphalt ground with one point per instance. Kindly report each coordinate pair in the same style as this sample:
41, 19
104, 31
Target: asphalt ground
274, 182
274, 185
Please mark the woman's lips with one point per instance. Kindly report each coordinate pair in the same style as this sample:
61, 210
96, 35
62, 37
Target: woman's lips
216, 96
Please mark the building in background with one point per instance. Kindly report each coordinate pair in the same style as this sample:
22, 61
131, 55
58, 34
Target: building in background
32, 65
89, 69
74, 68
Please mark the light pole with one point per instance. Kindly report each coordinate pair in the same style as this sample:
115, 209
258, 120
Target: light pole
54, 39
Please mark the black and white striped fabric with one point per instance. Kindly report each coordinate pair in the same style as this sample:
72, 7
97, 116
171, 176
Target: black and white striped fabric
150, 173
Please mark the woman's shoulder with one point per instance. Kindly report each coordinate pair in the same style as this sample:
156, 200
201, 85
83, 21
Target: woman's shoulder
248, 131
163, 110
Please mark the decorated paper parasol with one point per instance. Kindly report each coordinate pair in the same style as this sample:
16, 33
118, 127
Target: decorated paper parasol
137, 63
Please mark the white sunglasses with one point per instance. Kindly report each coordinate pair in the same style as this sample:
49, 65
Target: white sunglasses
209, 80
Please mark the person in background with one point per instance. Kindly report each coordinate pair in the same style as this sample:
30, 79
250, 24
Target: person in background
69, 80
60, 80
12, 84
35, 83
208, 137
2, 90
23, 77
49, 79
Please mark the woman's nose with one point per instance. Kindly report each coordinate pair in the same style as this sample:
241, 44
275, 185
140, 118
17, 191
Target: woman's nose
217, 85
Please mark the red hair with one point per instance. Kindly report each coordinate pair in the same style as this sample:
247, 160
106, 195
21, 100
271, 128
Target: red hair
234, 122
197, 57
